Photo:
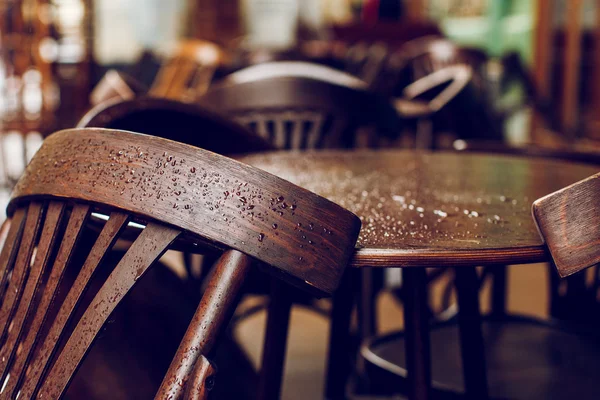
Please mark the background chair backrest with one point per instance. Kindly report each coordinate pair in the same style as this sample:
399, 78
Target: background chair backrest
301, 112
174, 120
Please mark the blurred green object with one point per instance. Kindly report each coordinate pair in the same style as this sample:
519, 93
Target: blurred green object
498, 26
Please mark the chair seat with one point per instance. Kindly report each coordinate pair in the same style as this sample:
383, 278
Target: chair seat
526, 359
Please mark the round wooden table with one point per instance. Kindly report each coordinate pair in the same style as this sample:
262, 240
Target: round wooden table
432, 209
423, 209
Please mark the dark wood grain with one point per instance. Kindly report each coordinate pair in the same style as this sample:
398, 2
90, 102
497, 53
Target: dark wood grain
227, 202
40, 265
217, 305
71, 235
17, 279
185, 123
432, 209
569, 221
63, 286
148, 247
40, 363
203, 380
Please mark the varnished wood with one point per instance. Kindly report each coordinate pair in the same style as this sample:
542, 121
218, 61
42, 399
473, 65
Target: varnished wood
40, 363
569, 221
218, 303
72, 233
148, 247
18, 272
203, 380
388, 189
248, 209
185, 123
48, 238
46, 335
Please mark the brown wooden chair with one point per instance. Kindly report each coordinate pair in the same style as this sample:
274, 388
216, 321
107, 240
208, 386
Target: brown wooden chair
174, 120
297, 105
569, 222
176, 196
188, 72
116, 85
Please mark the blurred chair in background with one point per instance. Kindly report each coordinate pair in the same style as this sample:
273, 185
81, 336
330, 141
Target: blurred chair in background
304, 106
188, 72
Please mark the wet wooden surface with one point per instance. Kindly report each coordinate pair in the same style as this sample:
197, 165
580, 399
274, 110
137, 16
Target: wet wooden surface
227, 204
432, 209
569, 220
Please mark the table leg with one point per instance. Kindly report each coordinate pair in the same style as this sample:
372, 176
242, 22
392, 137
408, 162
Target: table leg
275, 342
471, 338
367, 308
499, 286
340, 340
416, 322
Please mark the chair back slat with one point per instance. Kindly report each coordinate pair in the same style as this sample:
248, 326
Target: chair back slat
283, 91
11, 247
19, 270
569, 222
71, 235
60, 277
41, 362
47, 240
145, 250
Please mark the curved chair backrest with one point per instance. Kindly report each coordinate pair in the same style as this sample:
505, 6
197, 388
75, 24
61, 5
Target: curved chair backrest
179, 193
294, 69
569, 222
116, 85
426, 55
182, 122
188, 72
303, 107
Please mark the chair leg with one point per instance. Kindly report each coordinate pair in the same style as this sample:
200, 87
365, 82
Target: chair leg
211, 317
471, 338
416, 325
340, 340
275, 343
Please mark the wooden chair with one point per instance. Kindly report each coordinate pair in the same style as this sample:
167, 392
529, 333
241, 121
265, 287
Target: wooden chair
434, 64
174, 120
569, 222
302, 106
116, 85
524, 355
188, 72
174, 196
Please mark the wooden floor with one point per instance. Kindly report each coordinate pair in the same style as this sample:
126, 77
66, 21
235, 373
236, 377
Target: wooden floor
307, 344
